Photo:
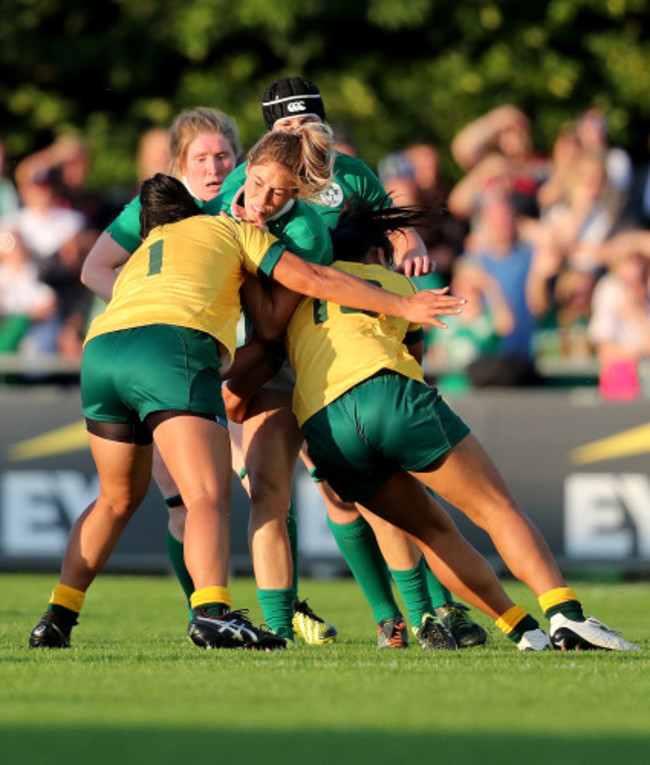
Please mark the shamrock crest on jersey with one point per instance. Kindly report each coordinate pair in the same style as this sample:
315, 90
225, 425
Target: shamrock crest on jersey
331, 197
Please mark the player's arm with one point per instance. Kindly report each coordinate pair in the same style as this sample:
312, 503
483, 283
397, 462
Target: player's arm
336, 286
269, 307
410, 254
100, 268
111, 250
254, 364
474, 141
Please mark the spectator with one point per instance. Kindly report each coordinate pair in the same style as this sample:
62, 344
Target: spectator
522, 270
620, 323
474, 334
58, 238
413, 177
587, 215
24, 299
562, 334
64, 165
593, 134
496, 152
43, 222
153, 153
566, 149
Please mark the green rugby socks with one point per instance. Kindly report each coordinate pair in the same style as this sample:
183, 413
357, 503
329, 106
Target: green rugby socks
438, 593
359, 547
277, 607
175, 551
292, 530
412, 585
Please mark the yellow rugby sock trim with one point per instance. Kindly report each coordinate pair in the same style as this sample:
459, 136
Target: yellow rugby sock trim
68, 597
508, 621
210, 595
548, 600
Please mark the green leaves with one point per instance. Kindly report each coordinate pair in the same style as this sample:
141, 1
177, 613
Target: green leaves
392, 72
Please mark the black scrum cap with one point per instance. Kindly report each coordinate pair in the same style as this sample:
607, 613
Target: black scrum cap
291, 97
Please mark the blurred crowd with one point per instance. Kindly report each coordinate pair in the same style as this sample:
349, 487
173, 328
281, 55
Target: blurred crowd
49, 220
552, 250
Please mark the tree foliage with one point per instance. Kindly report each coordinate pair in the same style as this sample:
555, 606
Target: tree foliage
391, 72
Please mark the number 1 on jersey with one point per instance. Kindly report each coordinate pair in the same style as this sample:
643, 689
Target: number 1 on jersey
155, 257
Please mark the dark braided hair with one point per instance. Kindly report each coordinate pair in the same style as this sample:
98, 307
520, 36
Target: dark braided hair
164, 199
362, 226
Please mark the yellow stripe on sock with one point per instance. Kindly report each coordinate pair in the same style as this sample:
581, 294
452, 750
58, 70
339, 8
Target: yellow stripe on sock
508, 621
68, 597
210, 595
555, 597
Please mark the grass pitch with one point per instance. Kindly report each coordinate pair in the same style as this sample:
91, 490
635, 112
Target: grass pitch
133, 689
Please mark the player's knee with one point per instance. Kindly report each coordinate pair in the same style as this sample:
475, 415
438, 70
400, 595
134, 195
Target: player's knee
120, 508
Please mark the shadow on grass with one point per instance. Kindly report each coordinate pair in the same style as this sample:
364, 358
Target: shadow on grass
145, 746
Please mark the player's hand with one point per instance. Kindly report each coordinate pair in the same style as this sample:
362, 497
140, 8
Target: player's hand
425, 307
257, 219
416, 265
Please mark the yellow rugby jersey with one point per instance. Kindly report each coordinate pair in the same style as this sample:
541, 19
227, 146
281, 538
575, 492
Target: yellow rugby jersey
189, 273
332, 348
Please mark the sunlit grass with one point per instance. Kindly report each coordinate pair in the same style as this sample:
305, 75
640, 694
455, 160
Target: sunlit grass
133, 689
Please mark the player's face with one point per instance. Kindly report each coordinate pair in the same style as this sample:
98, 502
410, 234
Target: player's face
209, 160
268, 187
293, 122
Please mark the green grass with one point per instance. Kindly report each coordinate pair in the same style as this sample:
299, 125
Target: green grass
134, 690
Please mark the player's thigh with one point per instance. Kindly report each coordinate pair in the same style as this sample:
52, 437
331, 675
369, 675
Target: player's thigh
196, 451
397, 548
468, 479
405, 503
161, 474
124, 470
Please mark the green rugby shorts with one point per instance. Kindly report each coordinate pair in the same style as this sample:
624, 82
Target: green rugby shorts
149, 369
386, 423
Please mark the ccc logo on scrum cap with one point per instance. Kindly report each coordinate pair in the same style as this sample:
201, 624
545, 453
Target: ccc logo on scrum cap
296, 106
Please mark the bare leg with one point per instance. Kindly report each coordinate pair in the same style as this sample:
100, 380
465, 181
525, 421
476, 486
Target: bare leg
271, 442
404, 502
197, 453
469, 480
176, 525
168, 488
399, 552
124, 474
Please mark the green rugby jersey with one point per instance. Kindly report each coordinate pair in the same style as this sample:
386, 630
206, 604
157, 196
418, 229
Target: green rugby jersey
297, 225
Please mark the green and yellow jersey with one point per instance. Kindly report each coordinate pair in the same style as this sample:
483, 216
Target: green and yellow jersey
333, 348
188, 274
